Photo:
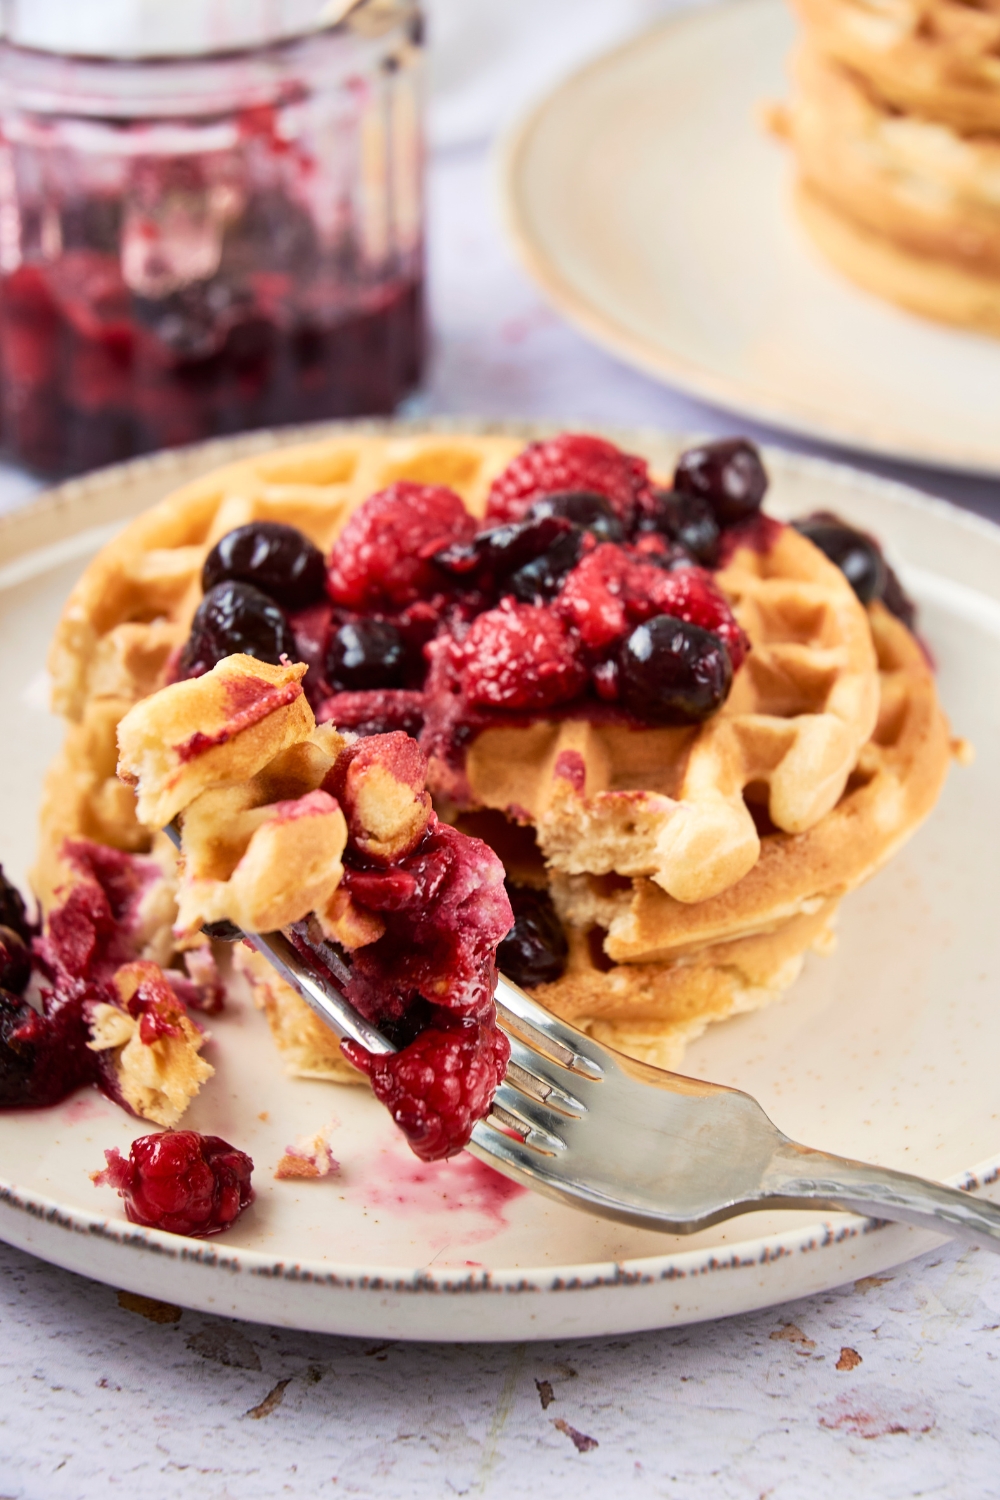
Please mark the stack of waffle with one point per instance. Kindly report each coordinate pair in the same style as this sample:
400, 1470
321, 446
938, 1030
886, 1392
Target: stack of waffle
894, 122
692, 868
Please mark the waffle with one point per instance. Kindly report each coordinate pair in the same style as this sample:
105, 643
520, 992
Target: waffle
937, 59
653, 835
669, 803
261, 842
894, 123
648, 973
906, 207
936, 289
928, 188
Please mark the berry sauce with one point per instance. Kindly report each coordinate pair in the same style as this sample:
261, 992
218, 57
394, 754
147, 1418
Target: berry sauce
430, 913
584, 589
94, 935
90, 373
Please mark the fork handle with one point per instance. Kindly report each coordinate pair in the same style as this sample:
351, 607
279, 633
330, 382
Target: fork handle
799, 1177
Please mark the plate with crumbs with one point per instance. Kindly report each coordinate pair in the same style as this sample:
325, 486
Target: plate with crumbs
882, 1050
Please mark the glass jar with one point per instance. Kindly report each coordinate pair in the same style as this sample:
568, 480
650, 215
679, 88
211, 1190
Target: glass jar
199, 244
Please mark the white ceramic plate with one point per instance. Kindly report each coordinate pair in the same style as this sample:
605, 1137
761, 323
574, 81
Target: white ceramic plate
645, 198
885, 1051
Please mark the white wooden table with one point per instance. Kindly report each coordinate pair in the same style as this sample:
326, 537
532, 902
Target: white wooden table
887, 1389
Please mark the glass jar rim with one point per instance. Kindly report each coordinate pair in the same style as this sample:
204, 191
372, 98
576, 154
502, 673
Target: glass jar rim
365, 17
199, 85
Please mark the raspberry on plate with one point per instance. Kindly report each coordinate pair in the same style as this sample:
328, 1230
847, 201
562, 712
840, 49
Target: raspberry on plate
571, 462
181, 1181
383, 557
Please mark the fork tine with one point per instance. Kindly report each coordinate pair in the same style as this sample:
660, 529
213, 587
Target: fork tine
532, 1124
543, 1031
527, 1072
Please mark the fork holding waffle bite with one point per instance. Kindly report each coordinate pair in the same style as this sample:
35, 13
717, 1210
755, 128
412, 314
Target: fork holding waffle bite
683, 728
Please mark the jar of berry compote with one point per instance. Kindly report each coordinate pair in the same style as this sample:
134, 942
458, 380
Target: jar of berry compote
210, 220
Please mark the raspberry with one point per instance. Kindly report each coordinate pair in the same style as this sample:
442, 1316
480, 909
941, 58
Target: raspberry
519, 656
439, 1086
572, 461
690, 595
592, 598
445, 909
181, 1181
383, 557
613, 587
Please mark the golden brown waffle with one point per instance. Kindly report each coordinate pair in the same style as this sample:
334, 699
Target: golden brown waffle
925, 186
937, 289
906, 207
939, 59
237, 753
894, 122
134, 602
662, 821
668, 803
648, 973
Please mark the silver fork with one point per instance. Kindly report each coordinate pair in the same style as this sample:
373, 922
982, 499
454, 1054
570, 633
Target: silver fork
596, 1130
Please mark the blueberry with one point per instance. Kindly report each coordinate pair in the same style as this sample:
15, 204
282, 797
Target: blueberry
535, 949
503, 549
364, 655
670, 672
586, 509
15, 961
542, 578
275, 558
728, 474
857, 557
688, 520
12, 911
235, 617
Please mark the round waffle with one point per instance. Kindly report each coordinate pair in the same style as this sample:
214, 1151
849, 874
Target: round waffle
937, 289
661, 828
939, 59
926, 187
647, 973
670, 803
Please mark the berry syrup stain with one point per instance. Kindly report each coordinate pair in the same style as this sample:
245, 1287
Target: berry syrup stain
469, 1192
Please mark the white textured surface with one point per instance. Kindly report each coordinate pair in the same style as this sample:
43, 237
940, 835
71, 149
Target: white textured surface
96, 1400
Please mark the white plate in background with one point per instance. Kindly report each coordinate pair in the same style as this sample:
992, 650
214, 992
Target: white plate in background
645, 198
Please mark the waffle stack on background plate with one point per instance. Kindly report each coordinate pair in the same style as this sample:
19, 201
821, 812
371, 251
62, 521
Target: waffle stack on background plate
894, 123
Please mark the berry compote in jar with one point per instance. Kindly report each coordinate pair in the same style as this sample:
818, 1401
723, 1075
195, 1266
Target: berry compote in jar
210, 222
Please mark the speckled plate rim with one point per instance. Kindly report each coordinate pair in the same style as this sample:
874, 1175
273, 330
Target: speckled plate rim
83, 511
655, 358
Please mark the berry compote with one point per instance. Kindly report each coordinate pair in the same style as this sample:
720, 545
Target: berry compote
585, 591
200, 244
51, 984
412, 943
